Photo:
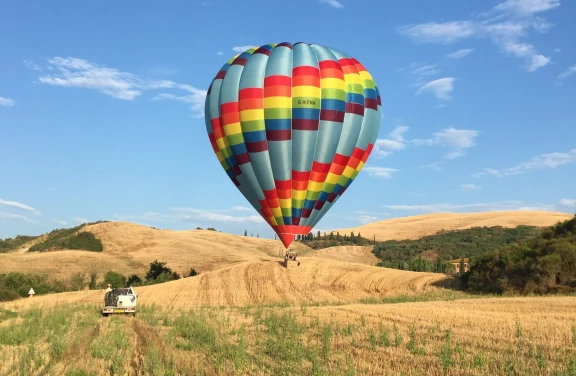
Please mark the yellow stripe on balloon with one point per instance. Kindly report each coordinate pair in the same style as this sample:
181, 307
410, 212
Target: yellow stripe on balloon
278, 102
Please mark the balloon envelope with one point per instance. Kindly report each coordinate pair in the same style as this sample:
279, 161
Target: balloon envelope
292, 126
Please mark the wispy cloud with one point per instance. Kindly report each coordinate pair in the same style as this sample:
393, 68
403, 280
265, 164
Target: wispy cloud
540, 162
194, 215
219, 53
332, 3
365, 217
79, 73
240, 49
433, 166
470, 187
460, 53
505, 26
194, 97
63, 223
18, 217
80, 220
381, 172
7, 102
458, 140
441, 88
481, 206
74, 72
394, 142
32, 65
567, 73
242, 209
568, 202
18, 205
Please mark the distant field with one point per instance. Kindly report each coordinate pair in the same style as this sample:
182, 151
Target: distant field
417, 226
498, 336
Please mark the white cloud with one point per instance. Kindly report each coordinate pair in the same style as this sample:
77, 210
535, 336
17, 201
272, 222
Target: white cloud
240, 49
381, 172
63, 223
75, 72
18, 205
18, 217
394, 142
456, 139
242, 209
192, 215
332, 3
80, 220
540, 162
527, 7
365, 217
569, 72
32, 65
195, 98
440, 88
434, 32
469, 187
489, 206
7, 102
433, 166
568, 202
79, 73
219, 53
504, 25
460, 53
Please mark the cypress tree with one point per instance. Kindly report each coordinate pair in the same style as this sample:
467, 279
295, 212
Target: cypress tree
461, 266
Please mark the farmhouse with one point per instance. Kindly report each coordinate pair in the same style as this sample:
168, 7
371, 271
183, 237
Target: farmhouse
456, 264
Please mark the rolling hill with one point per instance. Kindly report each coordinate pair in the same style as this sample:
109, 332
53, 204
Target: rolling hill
264, 282
417, 226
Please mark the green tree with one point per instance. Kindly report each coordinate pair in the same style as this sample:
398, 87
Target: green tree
462, 266
245, 232
114, 279
337, 236
318, 237
420, 263
157, 269
133, 280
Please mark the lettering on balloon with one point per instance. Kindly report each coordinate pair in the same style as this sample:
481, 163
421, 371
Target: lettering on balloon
307, 101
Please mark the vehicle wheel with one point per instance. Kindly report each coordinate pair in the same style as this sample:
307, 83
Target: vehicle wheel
105, 314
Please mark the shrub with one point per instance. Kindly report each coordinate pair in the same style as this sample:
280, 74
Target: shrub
8, 295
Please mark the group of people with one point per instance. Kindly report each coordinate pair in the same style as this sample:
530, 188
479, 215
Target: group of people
291, 255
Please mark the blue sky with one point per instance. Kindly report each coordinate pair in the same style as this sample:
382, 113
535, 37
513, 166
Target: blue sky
101, 107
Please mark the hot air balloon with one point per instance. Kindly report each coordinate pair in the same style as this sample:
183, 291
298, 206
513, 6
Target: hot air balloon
292, 126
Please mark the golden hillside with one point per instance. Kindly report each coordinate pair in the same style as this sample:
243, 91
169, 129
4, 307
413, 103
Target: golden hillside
417, 226
130, 248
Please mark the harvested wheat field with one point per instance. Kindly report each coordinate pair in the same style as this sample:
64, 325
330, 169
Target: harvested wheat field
130, 248
267, 282
358, 254
497, 336
417, 226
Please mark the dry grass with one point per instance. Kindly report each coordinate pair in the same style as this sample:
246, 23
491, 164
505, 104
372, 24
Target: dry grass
315, 280
503, 336
414, 227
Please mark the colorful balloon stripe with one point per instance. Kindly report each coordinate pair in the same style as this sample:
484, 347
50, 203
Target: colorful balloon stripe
292, 126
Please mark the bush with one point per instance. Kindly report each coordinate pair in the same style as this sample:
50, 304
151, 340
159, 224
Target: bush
8, 295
